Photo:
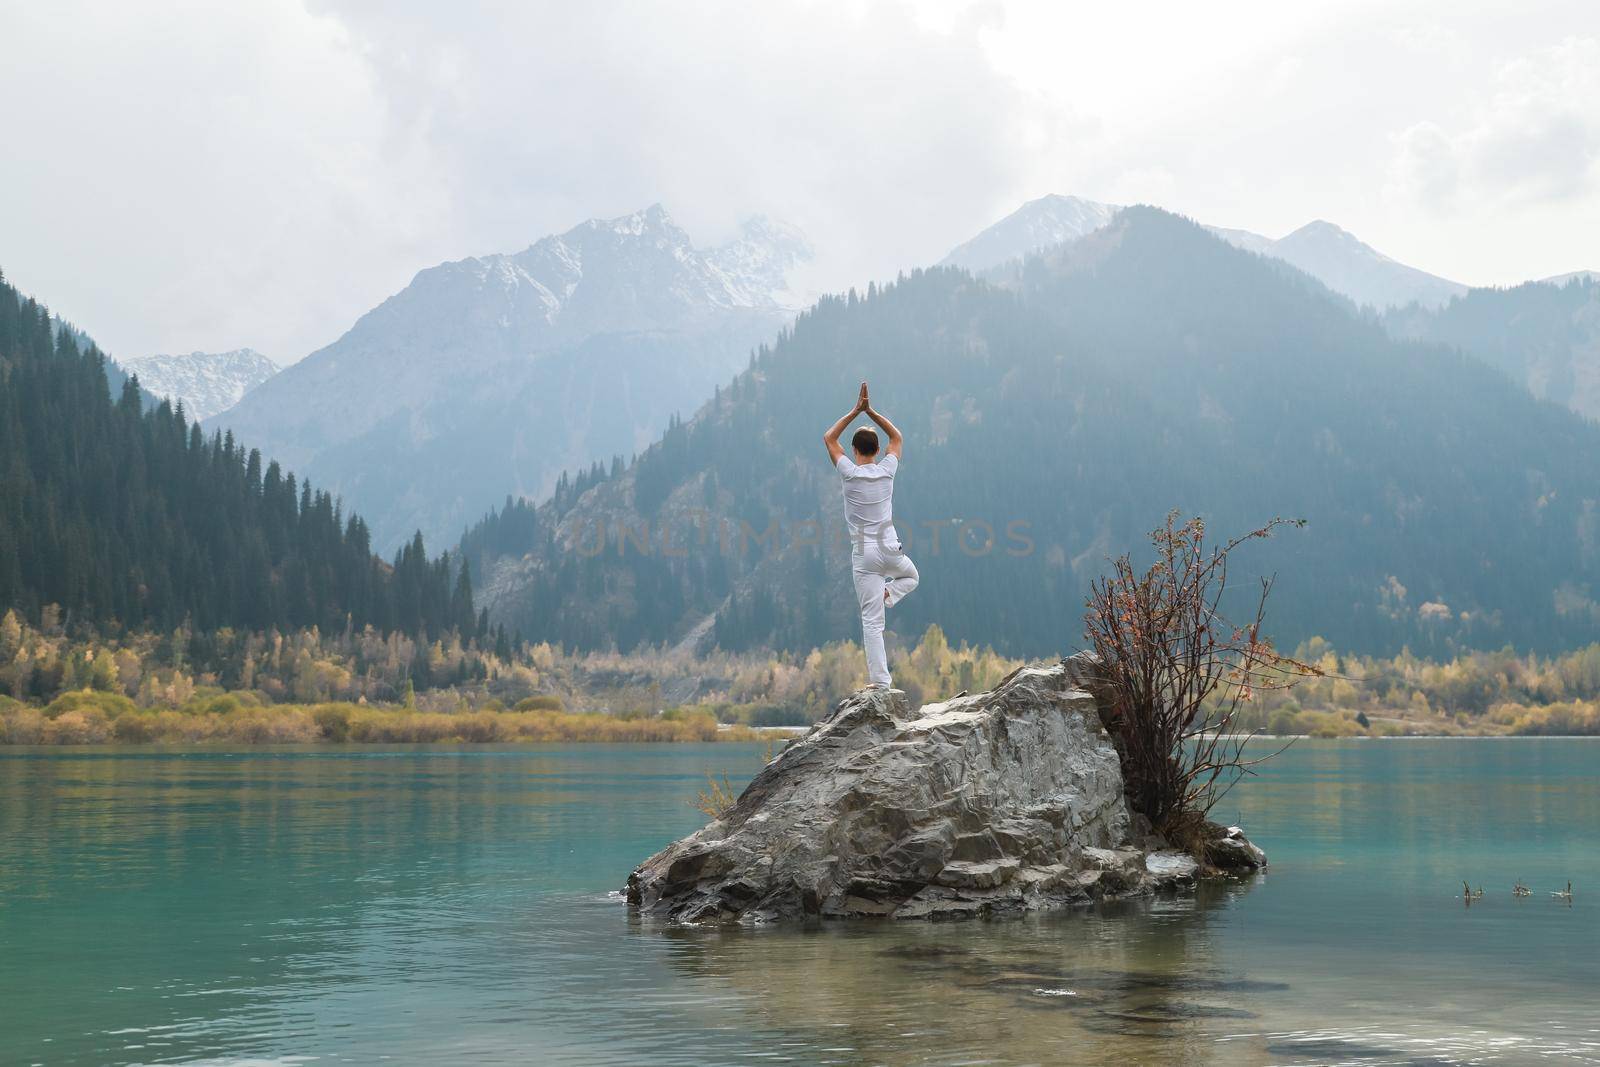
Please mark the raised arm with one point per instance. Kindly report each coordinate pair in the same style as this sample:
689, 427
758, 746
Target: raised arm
831, 438
886, 426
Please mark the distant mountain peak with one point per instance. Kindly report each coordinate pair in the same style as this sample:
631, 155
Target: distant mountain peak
483, 375
1036, 225
751, 270
1323, 226
1066, 200
759, 260
649, 220
206, 383
1326, 251
1348, 265
1325, 234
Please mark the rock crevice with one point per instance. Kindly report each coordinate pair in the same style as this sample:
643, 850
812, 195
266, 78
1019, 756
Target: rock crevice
1004, 801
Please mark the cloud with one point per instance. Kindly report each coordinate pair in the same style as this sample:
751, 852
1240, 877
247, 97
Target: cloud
261, 174
1144, 185
1426, 167
196, 180
202, 175
1534, 137
859, 123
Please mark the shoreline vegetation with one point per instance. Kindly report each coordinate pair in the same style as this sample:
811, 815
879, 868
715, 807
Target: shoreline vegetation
365, 687
100, 718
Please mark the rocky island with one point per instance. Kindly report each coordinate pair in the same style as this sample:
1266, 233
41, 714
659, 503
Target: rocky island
1004, 801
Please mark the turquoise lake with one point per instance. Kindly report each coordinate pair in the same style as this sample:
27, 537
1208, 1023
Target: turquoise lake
448, 905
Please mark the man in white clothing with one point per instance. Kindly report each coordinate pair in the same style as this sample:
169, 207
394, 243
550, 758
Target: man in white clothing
883, 575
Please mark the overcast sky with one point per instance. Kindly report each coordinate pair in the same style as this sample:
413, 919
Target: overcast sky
195, 175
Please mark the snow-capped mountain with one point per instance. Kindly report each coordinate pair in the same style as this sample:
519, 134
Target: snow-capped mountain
206, 382
491, 375
640, 272
1037, 224
759, 261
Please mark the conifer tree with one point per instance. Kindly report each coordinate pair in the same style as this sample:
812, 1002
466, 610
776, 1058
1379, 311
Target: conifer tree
118, 514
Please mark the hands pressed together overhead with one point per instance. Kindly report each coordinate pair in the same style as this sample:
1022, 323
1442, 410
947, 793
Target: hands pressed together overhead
863, 405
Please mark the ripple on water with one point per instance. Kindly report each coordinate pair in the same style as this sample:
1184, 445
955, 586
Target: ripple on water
417, 906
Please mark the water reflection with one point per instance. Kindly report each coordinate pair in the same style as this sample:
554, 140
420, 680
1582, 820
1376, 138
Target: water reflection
449, 905
1137, 978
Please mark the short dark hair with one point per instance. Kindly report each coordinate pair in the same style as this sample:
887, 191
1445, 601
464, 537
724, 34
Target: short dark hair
865, 441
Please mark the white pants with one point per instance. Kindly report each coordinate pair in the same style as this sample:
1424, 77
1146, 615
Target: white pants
879, 567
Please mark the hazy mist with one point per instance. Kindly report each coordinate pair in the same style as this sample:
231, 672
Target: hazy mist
194, 176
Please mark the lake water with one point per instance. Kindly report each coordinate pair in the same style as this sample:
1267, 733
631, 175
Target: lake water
420, 905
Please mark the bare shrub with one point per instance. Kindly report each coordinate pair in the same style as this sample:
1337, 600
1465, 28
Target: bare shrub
1178, 673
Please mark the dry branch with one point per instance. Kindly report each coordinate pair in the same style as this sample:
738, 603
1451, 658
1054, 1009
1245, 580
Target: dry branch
1178, 672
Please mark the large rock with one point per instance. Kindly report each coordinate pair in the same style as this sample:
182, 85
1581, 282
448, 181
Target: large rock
1008, 800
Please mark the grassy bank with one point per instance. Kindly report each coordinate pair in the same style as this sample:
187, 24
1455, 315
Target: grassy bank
88, 718
307, 686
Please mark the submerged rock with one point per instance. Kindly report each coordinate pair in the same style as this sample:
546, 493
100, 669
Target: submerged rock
1230, 850
1008, 800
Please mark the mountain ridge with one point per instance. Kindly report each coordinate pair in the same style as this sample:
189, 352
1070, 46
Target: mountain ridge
1348, 265
492, 374
1544, 335
1085, 393
1326, 251
1033, 227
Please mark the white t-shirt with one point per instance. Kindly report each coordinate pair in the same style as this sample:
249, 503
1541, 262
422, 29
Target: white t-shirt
868, 495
